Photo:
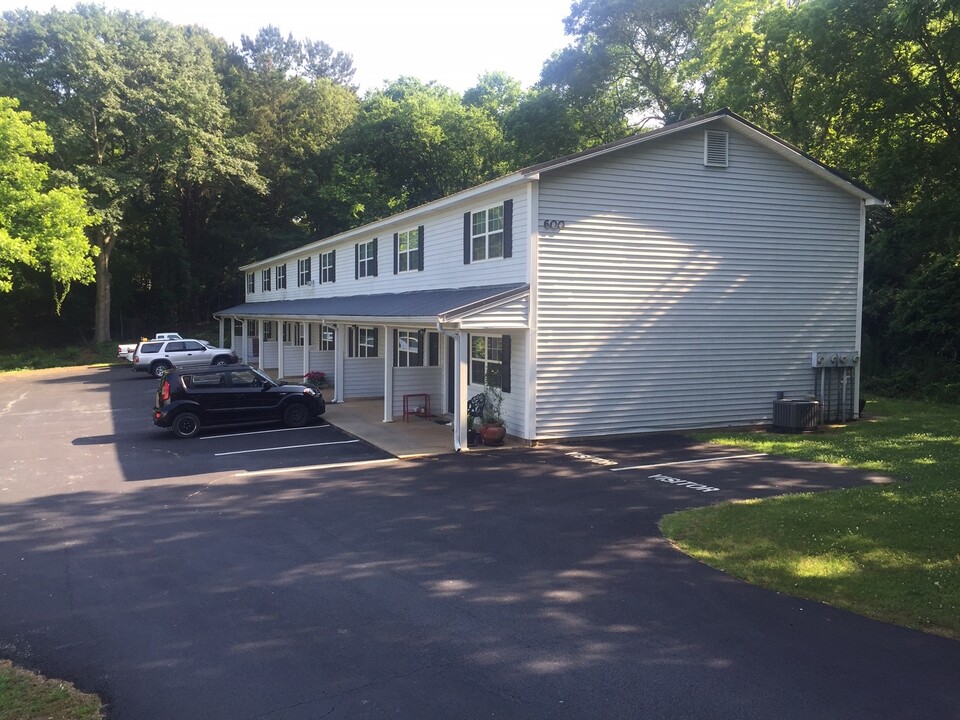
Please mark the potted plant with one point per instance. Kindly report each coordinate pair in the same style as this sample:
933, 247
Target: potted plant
493, 431
315, 379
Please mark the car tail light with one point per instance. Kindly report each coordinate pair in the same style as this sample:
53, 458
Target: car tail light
165, 391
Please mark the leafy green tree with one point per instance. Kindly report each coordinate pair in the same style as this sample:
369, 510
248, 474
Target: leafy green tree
41, 226
630, 54
411, 143
293, 101
141, 121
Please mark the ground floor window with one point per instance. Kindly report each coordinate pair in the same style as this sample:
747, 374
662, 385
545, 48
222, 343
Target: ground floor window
328, 337
408, 349
486, 360
363, 342
293, 333
268, 330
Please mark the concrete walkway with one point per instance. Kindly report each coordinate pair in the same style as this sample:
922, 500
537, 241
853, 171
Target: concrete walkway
419, 436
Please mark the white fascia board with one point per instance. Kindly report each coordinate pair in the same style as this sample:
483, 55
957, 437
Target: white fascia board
481, 306
425, 321
793, 155
371, 229
616, 146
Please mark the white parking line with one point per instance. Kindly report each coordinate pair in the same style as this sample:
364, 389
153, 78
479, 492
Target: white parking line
688, 462
262, 432
301, 468
285, 447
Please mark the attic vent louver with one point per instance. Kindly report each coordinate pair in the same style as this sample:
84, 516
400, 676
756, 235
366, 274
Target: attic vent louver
716, 144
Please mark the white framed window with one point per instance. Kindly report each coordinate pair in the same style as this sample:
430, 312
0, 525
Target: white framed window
328, 337
408, 348
293, 333
366, 259
303, 271
408, 251
265, 280
363, 342
267, 330
487, 233
486, 360
251, 282
328, 267
281, 277
251, 328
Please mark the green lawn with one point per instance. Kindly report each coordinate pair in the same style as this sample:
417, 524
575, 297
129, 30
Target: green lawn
27, 696
891, 552
71, 356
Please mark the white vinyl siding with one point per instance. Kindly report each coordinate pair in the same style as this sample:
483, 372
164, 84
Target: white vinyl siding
363, 378
680, 296
417, 380
442, 262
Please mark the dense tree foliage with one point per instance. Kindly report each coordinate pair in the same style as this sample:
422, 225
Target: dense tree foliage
41, 226
197, 157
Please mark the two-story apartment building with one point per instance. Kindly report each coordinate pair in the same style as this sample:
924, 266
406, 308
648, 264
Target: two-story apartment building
674, 279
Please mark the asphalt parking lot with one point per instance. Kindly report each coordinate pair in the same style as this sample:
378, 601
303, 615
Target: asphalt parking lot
271, 575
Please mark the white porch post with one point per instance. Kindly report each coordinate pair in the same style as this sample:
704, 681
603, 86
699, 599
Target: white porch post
260, 343
340, 349
387, 375
244, 353
460, 399
280, 326
305, 336
221, 331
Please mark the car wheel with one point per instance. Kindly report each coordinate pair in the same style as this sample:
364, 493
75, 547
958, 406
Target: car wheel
296, 415
159, 368
221, 360
186, 425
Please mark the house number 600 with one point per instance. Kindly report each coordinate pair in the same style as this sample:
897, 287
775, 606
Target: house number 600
553, 224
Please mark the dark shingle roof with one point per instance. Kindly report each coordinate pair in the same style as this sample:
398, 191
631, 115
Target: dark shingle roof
417, 304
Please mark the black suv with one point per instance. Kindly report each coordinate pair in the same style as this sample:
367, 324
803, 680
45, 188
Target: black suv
228, 395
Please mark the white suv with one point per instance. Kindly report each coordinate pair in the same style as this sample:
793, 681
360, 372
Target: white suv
158, 356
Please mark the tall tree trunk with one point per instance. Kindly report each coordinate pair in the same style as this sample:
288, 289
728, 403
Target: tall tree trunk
101, 327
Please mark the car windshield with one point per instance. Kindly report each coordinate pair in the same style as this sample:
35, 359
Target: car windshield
266, 378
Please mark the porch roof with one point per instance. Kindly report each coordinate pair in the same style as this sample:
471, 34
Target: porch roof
420, 306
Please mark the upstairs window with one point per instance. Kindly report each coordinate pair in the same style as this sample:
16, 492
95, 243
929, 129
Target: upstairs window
303, 271
408, 251
488, 233
265, 280
281, 277
365, 259
251, 283
328, 267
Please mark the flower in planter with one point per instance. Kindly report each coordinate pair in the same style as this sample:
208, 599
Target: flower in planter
316, 378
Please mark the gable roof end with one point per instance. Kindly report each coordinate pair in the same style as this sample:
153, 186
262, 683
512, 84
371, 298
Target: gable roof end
728, 118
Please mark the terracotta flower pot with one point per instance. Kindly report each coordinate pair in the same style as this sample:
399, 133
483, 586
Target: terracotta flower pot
493, 434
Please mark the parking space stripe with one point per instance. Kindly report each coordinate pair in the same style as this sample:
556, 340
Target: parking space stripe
262, 432
284, 447
301, 468
689, 462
